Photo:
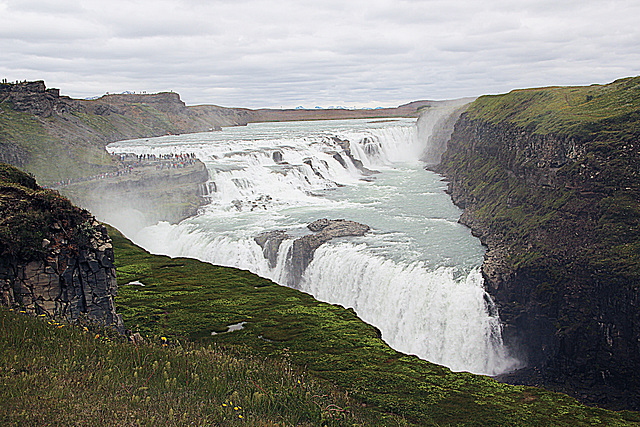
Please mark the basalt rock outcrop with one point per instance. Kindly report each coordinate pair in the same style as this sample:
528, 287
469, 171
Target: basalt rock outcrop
55, 259
346, 147
549, 181
303, 248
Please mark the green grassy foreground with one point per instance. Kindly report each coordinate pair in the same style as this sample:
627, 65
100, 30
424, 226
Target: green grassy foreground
187, 299
53, 374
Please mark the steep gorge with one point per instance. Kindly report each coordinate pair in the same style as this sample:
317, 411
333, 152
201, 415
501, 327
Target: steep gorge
549, 181
56, 137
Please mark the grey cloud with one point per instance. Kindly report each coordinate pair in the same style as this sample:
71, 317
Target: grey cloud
262, 53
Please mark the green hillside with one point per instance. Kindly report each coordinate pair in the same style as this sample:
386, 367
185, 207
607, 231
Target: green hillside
602, 112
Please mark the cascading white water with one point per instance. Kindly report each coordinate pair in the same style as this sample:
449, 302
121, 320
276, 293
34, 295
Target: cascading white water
442, 318
415, 276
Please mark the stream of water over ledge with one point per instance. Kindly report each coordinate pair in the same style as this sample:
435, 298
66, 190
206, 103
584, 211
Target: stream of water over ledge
415, 275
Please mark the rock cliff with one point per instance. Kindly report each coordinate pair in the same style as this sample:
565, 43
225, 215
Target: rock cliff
56, 137
55, 259
549, 181
149, 191
304, 247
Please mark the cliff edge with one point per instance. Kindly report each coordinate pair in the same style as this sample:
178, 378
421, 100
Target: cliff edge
55, 259
549, 180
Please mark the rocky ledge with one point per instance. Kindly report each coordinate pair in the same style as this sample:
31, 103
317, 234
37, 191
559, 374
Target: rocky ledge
144, 192
55, 259
304, 247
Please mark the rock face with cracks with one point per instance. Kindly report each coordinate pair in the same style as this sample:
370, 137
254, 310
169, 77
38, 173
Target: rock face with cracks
55, 259
549, 182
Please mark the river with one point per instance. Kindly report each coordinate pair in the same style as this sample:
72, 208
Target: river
415, 275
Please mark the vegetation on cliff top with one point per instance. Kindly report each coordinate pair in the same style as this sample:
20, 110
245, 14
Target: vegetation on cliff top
550, 180
28, 215
48, 156
597, 112
598, 191
186, 298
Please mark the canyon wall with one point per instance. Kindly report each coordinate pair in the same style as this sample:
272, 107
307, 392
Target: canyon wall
549, 180
150, 191
56, 137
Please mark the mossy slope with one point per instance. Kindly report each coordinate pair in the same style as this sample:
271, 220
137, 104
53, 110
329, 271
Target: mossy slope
187, 298
55, 374
586, 112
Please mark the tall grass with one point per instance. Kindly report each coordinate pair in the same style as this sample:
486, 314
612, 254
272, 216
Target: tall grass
56, 374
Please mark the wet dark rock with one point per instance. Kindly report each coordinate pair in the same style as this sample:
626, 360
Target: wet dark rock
340, 160
277, 156
72, 276
270, 243
324, 230
344, 144
570, 310
303, 248
150, 193
309, 163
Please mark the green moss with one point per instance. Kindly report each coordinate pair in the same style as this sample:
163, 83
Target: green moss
57, 374
28, 214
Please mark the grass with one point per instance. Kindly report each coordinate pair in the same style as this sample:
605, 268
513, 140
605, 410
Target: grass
566, 249
603, 112
29, 214
49, 157
184, 298
598, 193
297, 361
56, 374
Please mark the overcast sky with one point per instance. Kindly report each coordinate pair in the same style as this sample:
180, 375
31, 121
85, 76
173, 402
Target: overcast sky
354, 53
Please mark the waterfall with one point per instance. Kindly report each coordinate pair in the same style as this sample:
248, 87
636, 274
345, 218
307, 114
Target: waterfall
439, 317
415, 275
435, 126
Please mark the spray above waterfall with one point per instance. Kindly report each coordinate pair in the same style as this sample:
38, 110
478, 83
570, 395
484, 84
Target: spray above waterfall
414, 274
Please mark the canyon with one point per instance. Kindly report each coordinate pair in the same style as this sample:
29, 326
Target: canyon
554, 195
548, 180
